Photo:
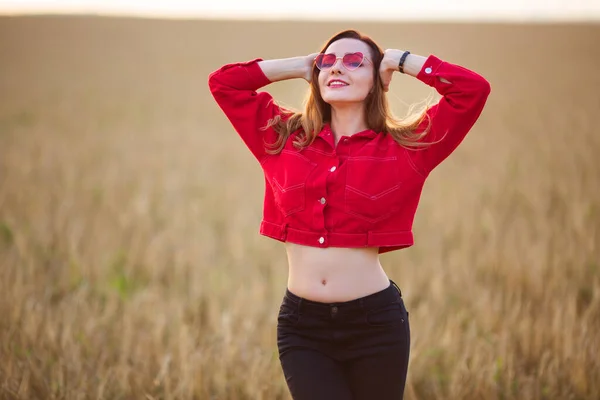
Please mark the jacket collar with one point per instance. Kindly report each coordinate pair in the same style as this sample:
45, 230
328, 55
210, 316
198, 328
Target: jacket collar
327, 132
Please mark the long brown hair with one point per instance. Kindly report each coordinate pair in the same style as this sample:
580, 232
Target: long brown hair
317, 112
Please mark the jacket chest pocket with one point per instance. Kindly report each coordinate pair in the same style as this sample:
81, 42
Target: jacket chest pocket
288, 180
372, 188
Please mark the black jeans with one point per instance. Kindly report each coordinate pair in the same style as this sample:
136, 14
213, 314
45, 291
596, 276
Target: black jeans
355, 350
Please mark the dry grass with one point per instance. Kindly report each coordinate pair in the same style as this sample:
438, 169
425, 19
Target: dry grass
131, 266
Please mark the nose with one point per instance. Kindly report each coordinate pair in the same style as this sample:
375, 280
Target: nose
336, 67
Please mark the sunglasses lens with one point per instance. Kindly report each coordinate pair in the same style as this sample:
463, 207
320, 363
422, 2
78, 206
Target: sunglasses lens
325, 61
353, 61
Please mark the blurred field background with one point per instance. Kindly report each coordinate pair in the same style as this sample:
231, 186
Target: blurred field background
130, 261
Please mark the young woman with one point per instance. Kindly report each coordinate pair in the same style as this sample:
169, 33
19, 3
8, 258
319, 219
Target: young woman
343, 180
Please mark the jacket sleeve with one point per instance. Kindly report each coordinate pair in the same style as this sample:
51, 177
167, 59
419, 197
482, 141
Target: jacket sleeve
453, 116
234, 87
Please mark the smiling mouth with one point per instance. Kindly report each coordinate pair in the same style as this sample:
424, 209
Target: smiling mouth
337, 84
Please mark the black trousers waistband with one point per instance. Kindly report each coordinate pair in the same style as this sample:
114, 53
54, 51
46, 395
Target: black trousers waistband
388, 295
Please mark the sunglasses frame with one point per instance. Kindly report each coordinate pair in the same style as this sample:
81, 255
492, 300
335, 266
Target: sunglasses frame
342, 58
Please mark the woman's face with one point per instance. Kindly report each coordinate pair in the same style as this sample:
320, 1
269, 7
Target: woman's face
355, 84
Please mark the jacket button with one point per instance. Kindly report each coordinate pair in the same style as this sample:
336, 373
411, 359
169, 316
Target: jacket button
428, 70
322, 200
321, 240
332, 169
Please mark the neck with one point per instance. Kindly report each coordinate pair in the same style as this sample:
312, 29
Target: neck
346, 120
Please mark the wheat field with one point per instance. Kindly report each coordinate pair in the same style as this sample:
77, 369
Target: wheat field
130, 261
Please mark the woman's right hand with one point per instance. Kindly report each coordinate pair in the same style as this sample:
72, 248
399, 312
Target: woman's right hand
310, 60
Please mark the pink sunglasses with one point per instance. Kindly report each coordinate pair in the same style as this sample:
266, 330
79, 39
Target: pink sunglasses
350, 61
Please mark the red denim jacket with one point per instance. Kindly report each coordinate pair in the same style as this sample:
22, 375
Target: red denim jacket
363, 192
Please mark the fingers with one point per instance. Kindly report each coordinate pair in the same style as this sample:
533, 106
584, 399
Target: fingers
386, 81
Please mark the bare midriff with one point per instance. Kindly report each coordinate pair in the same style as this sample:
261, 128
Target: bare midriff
334, 274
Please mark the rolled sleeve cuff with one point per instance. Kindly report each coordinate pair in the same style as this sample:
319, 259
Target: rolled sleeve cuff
256, 74
430, 70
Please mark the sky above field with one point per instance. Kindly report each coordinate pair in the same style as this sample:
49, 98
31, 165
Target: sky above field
526, 10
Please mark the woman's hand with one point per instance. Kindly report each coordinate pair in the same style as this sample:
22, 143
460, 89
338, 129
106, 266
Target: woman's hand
389, 64
309, 62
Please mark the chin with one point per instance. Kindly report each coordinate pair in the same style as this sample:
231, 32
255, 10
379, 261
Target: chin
333, 98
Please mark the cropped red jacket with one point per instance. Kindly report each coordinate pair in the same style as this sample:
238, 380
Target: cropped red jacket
363, 192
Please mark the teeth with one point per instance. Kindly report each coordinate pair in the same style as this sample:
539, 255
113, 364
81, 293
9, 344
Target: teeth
338, 84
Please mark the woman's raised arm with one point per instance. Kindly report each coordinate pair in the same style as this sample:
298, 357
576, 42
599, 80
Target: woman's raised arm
234, 88
464, 94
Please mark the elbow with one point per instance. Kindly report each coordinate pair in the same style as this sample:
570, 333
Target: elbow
481, 91
483, 87
479, 87
215, 82
486, 88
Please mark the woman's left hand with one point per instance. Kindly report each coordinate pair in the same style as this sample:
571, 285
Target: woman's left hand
389, 64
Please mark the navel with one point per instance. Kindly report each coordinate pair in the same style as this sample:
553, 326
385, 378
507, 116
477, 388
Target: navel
324, 282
